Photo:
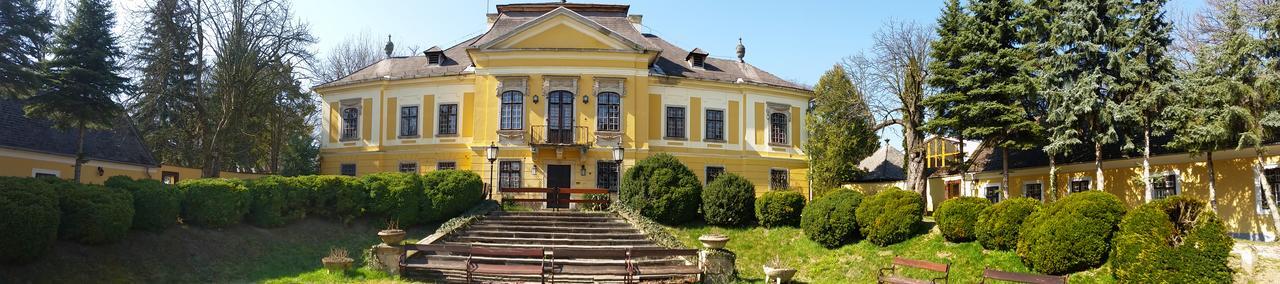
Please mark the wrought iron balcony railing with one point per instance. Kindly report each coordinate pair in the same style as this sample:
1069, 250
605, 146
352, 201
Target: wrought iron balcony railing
559, 136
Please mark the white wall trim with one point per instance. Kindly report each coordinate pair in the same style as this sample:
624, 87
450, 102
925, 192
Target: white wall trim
1026, 183
55, 173
1257, 189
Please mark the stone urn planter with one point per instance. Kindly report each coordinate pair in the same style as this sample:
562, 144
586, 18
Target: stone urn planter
779, 274
391, 237
337, 261
713, 241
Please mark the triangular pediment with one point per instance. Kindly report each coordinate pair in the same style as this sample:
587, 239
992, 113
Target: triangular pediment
562, 29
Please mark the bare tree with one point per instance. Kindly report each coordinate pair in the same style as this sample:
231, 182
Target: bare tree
352, 54
895, 72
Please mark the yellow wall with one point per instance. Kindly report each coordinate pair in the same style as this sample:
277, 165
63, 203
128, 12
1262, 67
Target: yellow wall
20, 163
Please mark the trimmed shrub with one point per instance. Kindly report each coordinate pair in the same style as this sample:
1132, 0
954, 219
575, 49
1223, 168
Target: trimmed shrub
93, 214
729, 200
998, 226
662, 189
451, 192
829, 220
397, 196
956, 216
341, 197
779, 208
275, 201
156, 206
1176, 239
890, 216
30, 218
1072, 234
214, 202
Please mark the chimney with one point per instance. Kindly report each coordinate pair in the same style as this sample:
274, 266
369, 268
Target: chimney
635, 22
490, 18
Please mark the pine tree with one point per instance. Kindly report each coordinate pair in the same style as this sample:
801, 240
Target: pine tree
946, 74
1035, 29
82, 75
1088, 35
840, 131
991, 96
1263, 103
1148, 73
165, 108
24, 30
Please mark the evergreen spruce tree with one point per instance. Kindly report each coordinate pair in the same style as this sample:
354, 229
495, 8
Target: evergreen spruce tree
1035, 28
840, 131
165, 102
24, 30
946, 74
1263, 103
82, 75
1088, 35
1148, 73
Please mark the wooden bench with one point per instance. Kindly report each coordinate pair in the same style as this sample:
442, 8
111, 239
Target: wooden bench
988, 273
893, 277
481, 266
623, 268
642, 270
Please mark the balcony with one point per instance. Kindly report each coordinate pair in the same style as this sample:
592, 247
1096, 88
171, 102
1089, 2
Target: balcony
559, 136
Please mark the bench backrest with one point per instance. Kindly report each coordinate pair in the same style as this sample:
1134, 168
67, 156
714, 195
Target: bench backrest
452, 249
1023, 277
507, 252
657, 252
939, 267
615, 254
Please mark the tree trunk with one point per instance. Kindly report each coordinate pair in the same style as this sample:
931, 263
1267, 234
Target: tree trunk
1146, 161
80, 159
1004, 172
1266, 191
1097, 164
964, 184
915, 158
1053, 180
1213, 181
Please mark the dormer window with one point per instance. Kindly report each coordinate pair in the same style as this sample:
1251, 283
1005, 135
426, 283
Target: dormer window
697, 58
435, 56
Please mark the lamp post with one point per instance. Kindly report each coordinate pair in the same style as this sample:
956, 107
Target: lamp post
617, 159
492, 154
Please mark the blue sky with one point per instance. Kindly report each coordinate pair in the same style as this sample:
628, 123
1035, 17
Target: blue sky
795, 40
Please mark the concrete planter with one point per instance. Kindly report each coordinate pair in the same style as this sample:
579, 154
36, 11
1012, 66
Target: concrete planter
713, 241
337, 265
391, 237
779, 274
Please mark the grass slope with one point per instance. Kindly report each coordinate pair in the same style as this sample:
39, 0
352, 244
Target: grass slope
240, 253
859, 263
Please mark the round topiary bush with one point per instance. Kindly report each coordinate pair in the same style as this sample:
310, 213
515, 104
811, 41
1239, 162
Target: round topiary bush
998, 226
729, 200
956, 216
1172, 240
890, 216
451, 192
275, 201
214, 202
1072, 234
29, 215
155, 205
779, 208
341, 197
829, 220
662, 189
93, 214
397, 196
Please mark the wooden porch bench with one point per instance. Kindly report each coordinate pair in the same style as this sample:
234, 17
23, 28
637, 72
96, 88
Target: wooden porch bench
893, 277
473, 266
992, 274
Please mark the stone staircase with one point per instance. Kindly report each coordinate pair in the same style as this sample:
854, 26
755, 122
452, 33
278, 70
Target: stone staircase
548, 230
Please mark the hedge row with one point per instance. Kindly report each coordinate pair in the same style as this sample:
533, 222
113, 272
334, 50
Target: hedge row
29, 214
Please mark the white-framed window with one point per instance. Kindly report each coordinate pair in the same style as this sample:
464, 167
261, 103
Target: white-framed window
446, 165
348, 169
1034, 190
1080, 184
46, 173
1270, 175
409, 167
1164, 185
509, 174
409, 121
448, 119
675, 120
992, 193
512, 114
715, 125
607, 175
779, 179
351, 123
714, 172
608, 112
778, 128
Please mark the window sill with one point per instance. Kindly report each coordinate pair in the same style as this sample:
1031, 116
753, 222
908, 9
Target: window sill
442, 135
675, 138
713, 140
357, 139
409, 137
779, 144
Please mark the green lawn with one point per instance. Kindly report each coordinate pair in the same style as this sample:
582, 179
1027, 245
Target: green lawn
858, 263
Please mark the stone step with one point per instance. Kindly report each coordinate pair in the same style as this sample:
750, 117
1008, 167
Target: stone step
552, 241
479, 226
552, 213
555, 235
555, 224
559, 261
460, 276
575, 219
647, 246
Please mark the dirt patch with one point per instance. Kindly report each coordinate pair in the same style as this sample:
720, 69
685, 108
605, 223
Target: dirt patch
182, 254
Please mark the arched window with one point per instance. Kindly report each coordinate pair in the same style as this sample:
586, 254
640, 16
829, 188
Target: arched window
608, 111
512, 110
350, 118
778, 128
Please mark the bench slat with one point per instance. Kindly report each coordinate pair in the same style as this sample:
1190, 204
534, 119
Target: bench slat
508, 269
507, 252
668, 269
1023, 277
645, 252
589, 253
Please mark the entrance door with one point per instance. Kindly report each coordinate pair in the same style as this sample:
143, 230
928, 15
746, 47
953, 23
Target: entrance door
560, 117
558, 178
953, 189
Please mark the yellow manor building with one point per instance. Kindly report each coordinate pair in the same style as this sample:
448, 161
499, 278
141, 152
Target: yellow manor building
557, 87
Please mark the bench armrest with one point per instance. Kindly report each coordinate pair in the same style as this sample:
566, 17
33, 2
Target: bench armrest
881, 274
